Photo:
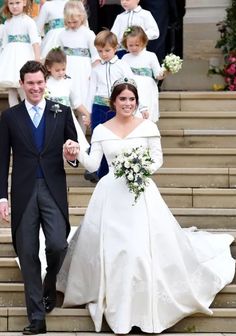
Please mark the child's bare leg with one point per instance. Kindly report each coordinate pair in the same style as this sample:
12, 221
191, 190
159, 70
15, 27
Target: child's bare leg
80, 120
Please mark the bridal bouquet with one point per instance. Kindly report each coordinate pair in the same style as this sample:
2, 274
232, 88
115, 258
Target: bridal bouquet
172, 63
135, 166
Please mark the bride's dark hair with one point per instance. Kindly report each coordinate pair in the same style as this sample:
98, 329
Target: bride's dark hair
118, 89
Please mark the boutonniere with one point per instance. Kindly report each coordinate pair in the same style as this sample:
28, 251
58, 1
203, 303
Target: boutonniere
56, 109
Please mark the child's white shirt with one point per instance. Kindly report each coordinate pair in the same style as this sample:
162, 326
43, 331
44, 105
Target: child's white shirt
50, 10
137, 17
62, 91
83, 37
21, 25
103, 75
145, 59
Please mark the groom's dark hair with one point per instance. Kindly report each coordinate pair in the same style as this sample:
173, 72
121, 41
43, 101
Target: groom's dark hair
32, 67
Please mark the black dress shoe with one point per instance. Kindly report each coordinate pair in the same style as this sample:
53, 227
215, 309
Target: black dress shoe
36, 327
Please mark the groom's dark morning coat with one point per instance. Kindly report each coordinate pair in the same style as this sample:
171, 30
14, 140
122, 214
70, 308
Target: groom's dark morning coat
16, 134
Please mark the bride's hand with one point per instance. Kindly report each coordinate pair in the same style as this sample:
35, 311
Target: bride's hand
70, 150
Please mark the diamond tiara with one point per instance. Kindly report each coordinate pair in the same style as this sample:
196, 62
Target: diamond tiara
124, 80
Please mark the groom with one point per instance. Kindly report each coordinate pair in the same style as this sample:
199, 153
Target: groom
38, 188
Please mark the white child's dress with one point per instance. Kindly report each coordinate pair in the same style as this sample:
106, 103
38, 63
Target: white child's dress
61, 91
1, 36
81, 52
50, 23
137, 17
146, 68
20, 32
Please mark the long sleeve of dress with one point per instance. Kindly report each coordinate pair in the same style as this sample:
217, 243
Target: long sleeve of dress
91, 161
154, 144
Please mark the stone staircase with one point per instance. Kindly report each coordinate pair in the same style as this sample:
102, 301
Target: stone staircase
198, 182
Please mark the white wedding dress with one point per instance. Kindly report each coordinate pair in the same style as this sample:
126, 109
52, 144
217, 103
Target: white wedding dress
134, 263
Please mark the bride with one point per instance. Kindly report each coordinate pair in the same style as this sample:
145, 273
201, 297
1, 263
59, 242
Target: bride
132, 262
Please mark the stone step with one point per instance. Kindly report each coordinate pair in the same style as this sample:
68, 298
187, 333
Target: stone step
7, 251
67, 320
200, 101
179, 100
203, 218
174, 197
198, 138
12, 295
200, 157
170, 120
9, 268
172, 177
179, 158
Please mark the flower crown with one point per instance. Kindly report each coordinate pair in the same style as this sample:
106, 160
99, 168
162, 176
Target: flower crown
128, 31
57, 48
124, 80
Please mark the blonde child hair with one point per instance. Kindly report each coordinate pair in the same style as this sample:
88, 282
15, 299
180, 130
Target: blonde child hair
75, 8
135, 31
106, 37
6, 12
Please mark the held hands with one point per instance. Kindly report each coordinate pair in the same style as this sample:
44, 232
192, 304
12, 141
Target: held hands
4, 211
70, 150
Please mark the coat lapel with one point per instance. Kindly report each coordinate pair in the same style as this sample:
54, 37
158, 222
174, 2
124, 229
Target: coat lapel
50, 123
24, 125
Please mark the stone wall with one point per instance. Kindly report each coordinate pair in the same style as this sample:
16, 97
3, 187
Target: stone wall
199, 39
200, 30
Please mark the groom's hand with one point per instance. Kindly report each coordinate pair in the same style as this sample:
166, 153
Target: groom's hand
70, 150
4, 211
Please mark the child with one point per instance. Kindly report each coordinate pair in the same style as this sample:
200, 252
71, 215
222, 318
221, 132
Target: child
50, 23
134, 15
20, 44
35, 7
77, 41
146, 68
103, 75
1, 33
60, 89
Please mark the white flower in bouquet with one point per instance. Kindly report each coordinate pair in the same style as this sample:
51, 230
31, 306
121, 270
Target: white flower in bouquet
135, 166
172, 63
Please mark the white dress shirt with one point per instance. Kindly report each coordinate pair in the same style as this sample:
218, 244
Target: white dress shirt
41, 105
